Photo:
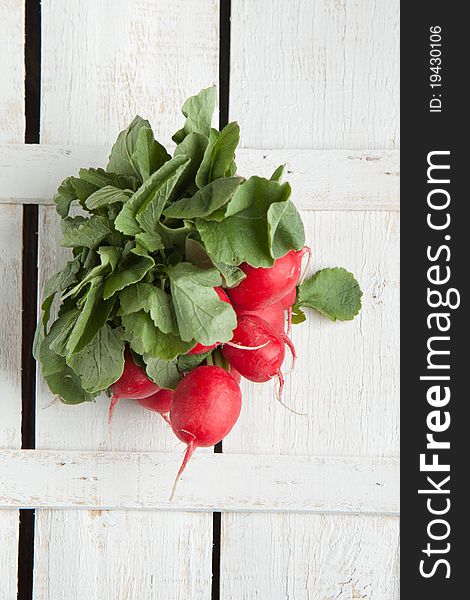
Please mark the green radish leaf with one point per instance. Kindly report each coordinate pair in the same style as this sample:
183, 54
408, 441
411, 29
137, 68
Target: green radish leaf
132, 268
298, 315
150, 241
121, 159
145, 338
83, 189
207, 200
81, 231
65, 323
101, 362
109, 256
58, 283
196, 254
60, 378
162, 372
286, 229
198, 111
107, 195
219, 155
188, 362
232, 275
278, 173
149, 155
335, 293
246, 234
201, 315
93, 315
64, 197
193, 147
153, 300
154, 191
101, 178
175, 236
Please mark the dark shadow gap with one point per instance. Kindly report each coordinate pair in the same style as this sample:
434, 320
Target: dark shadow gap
32, 50
224, 62
224, 91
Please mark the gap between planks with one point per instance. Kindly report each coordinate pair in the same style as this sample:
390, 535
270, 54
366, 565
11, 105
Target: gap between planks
321, 179
225, 482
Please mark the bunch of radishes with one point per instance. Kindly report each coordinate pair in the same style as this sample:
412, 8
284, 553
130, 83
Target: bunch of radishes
183, 277
206, 403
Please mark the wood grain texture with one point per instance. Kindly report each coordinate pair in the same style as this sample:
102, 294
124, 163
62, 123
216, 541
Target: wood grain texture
12, 126
11, 219
320, 179
322, 75
121, 554
346, 379
12, 121
319, 74
346, 376
227, 482
102, 62
309, 557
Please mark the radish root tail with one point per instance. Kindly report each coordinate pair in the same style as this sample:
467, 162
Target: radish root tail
187, 455
291, 347
279, 396
114, 402
306, 250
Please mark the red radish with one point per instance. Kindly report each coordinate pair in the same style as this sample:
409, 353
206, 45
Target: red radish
205, 407
264, 360
199, 348
264, 286
263, 363
159, 402
133, 384
273, 314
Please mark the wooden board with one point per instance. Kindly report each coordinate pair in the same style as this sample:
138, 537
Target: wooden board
228, 482
320, 179
11, 219
12, 120
11, 131
322, 75
309, 557
102, 63
319, 74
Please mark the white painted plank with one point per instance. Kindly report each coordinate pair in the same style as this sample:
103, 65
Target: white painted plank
316, 74
323, 75
321, 179
121, 554
309, 557
12, 125
11, 219
229, 482
12, 121
103, 62
346, 379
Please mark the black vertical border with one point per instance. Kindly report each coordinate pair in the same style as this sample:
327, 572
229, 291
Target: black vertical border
224, 93
424, 132
32, 50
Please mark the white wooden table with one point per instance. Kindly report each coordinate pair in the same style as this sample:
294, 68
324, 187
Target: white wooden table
309, 504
